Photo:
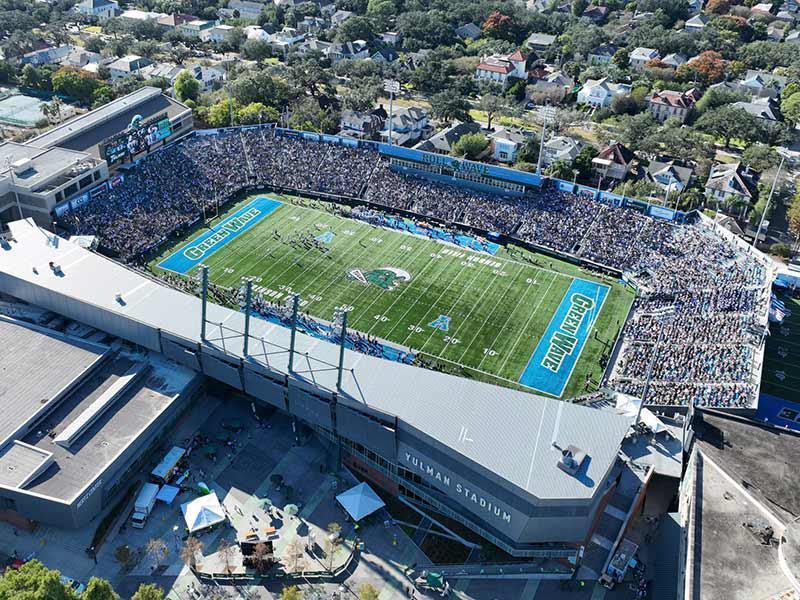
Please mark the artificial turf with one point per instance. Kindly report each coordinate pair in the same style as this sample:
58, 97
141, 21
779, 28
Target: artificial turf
499, 307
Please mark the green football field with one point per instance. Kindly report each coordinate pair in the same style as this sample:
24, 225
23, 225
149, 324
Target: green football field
781, 374
398, 286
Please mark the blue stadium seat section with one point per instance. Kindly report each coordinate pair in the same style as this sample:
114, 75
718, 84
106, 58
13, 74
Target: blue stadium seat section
200, 248
557, 353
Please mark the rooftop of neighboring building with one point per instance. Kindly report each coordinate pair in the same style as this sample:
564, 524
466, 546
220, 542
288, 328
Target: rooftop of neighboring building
745, 475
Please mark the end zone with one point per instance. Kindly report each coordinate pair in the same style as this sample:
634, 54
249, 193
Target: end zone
201, 247
552, 363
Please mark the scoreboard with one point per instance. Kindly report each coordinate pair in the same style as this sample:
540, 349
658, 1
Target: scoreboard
140, 136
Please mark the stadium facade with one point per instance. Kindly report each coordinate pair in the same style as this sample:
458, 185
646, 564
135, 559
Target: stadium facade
71, 163
487, 457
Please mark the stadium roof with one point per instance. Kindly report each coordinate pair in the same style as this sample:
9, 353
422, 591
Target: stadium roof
512, 435
85, 132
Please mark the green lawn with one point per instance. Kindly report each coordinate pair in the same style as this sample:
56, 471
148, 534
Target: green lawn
499, 306
781, 374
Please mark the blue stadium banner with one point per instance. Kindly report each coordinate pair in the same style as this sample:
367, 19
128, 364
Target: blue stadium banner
557, 353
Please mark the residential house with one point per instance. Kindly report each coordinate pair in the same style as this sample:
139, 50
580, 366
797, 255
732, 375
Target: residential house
499, 68
408, 125
413, 60
102, 10
732, 184
391, 38
561, 148
668, 174
468, 31
696, 23
359, 49
614, 161
340, 16
641, 56
216, 34
127, 66
172, 22
312, 44
668, 104
196, 29
793, 37
254, 32
674, 60
360, 125
602, 55
596, 14
767, 108
442, 142
761, 83
505, 144
140, 15
246, 9
553, 87
763, 9
776, 30
540, 42
286, 39
384, 55
168, 71
600, 92
311, 24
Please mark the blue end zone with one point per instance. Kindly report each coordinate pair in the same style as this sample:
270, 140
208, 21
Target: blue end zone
778, 412
200, 248
554, 359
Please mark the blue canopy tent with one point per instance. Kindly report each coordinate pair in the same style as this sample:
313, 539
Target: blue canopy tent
360, 501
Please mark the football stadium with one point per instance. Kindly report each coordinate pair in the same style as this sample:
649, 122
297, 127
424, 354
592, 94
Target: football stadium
464, 336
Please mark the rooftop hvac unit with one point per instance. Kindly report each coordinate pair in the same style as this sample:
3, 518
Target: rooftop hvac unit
22, 165
571, 459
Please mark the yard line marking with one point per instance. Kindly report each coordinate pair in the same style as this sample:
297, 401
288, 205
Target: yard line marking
522, 330
476, 271
474, 306
248, 255
432, 261
494, 309
522, 304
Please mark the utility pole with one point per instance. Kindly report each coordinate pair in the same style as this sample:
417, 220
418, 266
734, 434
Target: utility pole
769, 199
393, 87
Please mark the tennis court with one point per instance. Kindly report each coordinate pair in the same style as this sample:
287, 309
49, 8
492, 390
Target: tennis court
21, 110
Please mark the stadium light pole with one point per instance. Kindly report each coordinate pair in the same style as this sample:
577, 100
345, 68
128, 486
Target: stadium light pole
769, 199
293, 336
204, 298
342, 343
545, 113
248, 300
393, 87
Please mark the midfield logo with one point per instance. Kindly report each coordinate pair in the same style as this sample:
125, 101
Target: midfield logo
386, 278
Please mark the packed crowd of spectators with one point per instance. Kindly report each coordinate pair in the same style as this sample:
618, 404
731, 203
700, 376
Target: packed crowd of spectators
695, 327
